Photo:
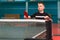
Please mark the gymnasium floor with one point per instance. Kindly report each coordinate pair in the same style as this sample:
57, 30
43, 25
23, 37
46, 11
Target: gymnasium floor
56, 31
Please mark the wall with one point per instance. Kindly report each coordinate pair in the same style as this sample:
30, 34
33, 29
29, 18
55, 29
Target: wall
19, 7
12, 8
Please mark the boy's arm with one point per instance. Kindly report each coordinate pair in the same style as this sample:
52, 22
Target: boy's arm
47, 18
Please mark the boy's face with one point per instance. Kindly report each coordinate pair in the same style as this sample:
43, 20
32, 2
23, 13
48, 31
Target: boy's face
40, 7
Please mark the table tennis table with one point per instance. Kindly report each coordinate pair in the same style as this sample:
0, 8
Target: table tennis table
21, 28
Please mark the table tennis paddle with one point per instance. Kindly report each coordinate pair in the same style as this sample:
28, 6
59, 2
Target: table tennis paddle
26, 14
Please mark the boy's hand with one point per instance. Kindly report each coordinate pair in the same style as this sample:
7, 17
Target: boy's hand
27, 17
47, 18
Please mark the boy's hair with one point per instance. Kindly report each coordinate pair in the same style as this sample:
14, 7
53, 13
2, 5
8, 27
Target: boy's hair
40, 3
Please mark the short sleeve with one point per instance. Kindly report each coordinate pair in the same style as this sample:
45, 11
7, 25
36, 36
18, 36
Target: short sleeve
33, 16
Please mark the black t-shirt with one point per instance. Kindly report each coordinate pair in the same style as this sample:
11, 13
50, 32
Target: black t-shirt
39, 15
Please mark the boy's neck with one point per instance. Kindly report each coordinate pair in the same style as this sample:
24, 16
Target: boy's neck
41, 11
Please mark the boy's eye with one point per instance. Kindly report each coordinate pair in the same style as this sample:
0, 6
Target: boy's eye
39, 6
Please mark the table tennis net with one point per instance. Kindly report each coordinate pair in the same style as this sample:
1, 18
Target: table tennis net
22, 30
